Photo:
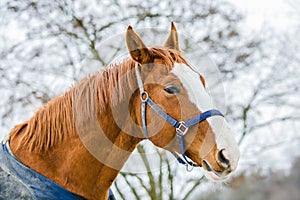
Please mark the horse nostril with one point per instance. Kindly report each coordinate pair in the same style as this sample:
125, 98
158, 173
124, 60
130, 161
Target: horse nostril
222, 157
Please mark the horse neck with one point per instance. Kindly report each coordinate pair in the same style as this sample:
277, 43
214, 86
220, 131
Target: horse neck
85, 153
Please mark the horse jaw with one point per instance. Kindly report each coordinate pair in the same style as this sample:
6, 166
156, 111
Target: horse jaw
198, 95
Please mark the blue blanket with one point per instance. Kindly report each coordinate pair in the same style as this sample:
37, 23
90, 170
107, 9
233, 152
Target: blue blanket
20, 182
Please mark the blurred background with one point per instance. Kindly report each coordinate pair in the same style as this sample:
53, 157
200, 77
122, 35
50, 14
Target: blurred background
255, 45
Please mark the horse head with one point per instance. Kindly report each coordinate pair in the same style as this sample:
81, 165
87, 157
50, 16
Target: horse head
177, 112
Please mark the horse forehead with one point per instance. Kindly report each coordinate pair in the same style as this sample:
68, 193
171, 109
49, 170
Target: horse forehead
191, 82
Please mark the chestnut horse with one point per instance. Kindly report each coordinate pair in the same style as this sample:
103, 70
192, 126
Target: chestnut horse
81, 140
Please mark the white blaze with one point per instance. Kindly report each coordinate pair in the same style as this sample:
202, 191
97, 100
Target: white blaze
199, 96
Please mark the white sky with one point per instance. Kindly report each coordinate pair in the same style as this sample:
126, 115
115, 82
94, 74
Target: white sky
261, 12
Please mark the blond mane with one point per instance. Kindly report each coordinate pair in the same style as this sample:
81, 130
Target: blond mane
54, 122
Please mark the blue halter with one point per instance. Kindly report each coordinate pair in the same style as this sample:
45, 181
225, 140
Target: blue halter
181, 127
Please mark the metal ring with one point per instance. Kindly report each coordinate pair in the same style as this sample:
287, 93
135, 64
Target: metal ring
144, 96
189, 169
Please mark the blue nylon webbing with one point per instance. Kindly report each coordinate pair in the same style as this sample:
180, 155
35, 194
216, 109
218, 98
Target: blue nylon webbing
161, 113
203, 116
173, 122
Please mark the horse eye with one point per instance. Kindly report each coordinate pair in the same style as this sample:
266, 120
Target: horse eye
172, 90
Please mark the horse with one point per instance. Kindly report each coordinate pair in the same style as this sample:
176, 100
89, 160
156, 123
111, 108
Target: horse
78, 142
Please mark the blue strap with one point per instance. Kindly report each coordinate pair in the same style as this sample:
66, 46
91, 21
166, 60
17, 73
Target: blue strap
179, 159
164, 115
199, 118
202, 117
181, 127
182, 151
176, 124
144, 119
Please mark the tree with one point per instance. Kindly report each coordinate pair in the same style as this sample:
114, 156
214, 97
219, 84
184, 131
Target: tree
77, 27
53, 39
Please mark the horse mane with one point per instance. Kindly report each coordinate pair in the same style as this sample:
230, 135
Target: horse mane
55, 122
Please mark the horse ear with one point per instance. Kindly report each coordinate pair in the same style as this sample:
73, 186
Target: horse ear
137, 49
172, 41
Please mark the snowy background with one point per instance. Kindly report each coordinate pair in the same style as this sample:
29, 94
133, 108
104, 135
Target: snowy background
255, 44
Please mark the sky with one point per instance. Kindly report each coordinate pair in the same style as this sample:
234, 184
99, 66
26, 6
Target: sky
261, 12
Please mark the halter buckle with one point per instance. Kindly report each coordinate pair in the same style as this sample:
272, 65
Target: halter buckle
182, 129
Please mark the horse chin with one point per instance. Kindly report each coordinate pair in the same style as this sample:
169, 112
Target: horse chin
214, 176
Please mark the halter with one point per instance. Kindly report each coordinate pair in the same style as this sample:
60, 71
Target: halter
181, 127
